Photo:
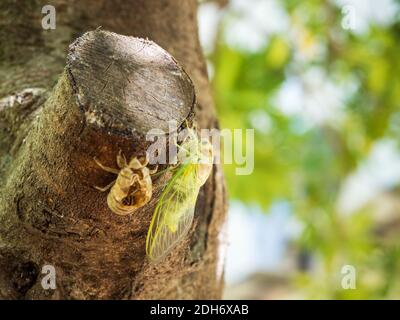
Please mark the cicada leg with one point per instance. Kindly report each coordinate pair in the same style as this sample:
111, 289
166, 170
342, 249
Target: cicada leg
105, 168
145, 161
121, 160
106, 187
154, 170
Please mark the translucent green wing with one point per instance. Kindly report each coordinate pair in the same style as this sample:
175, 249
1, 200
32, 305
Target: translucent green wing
173, 215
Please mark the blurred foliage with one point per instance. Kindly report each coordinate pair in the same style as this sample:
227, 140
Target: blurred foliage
306, 161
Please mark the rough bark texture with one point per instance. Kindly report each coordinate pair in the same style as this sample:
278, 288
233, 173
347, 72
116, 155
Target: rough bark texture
112, 89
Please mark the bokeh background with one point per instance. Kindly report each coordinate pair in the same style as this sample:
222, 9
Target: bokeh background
319, 81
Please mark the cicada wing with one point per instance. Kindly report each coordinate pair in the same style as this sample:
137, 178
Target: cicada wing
172, 217
163, 239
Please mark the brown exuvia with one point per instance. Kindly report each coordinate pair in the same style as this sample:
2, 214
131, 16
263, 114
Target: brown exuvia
132, 188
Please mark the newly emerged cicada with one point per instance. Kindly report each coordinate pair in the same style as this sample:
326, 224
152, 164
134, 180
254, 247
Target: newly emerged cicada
133, 187
173, 215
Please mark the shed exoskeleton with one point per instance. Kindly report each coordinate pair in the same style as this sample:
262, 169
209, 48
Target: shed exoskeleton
132, 188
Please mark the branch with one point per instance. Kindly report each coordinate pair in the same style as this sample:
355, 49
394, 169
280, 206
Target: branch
113, 90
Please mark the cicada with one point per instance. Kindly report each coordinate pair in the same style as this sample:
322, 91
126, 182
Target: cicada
173, 214
132, 188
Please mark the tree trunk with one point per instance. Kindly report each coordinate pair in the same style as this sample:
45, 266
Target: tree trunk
111, 91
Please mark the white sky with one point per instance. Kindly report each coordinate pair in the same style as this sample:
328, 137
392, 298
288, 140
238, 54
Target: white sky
257, 241
380, 171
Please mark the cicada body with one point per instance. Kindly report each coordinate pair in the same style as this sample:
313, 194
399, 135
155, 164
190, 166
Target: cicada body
173, 215
133, 187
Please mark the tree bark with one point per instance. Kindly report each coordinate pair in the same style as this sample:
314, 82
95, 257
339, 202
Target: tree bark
111, 91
